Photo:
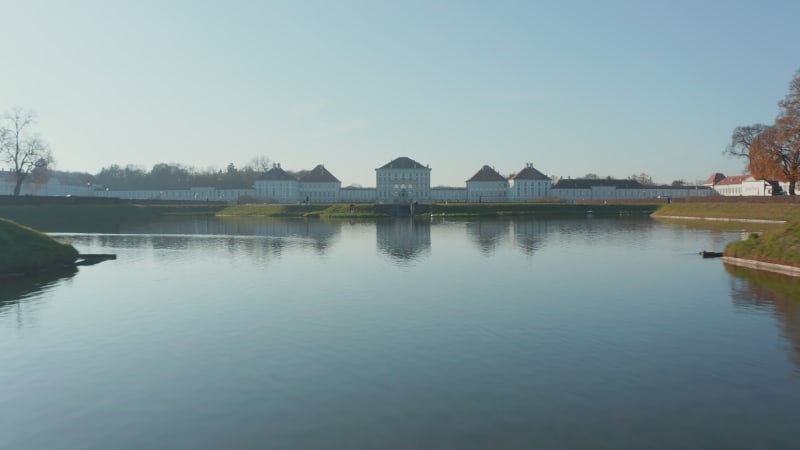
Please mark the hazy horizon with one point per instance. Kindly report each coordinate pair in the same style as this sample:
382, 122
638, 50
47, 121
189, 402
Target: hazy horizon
571, 87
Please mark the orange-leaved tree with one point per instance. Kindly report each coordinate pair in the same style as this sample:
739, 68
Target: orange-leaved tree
773, 151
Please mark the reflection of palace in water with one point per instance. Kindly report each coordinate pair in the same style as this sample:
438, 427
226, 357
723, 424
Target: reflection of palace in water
405, 240
529, 235
181, 234
779, 294
488, 234
526, 235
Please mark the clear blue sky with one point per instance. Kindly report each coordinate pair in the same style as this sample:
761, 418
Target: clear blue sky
574, 87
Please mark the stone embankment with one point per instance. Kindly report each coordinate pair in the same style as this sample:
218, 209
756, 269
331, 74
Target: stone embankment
723, 219
759, 265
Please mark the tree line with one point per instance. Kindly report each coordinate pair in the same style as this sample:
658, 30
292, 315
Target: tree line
772, 151
177, 176
29, 159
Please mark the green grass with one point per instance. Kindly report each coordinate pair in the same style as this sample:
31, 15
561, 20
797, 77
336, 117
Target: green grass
106, 218
335, 210
25, 250
538, 209
369, 210
779, 247
740, 210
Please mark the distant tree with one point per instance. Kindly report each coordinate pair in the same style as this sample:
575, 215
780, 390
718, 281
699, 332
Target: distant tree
168, 176
774, 151
678, 183
260, 163
117, 177
591, 176
642, 178
22, 149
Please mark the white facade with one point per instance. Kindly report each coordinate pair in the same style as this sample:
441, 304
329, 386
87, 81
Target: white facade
278, 186
581, 189
53, 187
487, 191
358, 195
319, 192
281, 191
487, 185
319, 186
448, 194
529, 184
746, 185
403, 180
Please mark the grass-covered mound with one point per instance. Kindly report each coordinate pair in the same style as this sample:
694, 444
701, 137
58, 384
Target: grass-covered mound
778, 247
25, 250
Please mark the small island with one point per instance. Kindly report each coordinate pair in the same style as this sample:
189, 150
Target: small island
24, 250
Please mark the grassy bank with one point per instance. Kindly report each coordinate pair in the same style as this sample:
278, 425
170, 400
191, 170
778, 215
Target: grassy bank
361, 210
538, 209
105, 217
741, 210
364, 210
778, 247
25, 250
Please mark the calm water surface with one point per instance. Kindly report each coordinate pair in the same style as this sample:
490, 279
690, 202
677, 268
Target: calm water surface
569, 334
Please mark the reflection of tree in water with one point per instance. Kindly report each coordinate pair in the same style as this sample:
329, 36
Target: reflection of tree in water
162, 234
777, 293
529, 235
15, 290
487, 234
404, 240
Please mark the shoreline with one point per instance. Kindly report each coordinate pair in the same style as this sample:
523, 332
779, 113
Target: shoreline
724, 219
783, 269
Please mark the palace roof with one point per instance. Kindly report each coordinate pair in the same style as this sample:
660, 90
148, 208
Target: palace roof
402, 163
714, 179
487, 174
277, 174
319, 174
585, 183
529, 173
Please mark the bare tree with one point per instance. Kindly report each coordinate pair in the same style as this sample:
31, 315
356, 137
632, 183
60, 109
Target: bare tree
261, 164
20, 148
642, 178
742, 139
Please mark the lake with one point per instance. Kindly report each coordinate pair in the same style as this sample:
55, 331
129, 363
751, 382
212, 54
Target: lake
211, 333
